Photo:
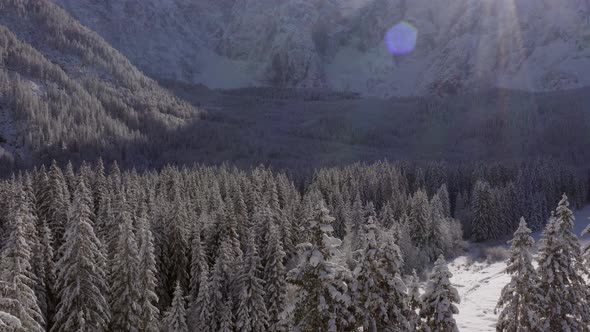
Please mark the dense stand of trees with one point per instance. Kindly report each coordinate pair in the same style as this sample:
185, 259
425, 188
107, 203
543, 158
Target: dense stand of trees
554, 296
220, 249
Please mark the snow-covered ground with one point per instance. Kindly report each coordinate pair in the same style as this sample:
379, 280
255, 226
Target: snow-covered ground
479, 283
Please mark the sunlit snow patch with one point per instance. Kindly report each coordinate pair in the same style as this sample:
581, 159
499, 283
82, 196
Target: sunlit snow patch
401, 38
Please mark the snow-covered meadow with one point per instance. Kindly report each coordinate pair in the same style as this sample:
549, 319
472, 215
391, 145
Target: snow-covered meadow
479, 283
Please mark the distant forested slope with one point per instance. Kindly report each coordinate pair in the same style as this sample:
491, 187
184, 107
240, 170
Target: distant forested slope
64, 90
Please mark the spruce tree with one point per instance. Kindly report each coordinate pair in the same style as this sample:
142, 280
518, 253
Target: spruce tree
81, 275
561, 275
199, 263
322, 300
342, 216
99, 187
484, 226
575, 260
443, 194
42, 264
251, 315
379, 290
201, 309
16, 278
178, 245
147, 277
125, 293
8, 322
70, 178
387, 216
46, 294
220, 287
419, 219
226, 323
438, 300
175, 317
435, 236
274, 276
357, 219
414, 302
58, 201
519, 303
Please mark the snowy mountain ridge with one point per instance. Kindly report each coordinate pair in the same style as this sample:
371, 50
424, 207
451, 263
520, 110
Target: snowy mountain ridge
462, 45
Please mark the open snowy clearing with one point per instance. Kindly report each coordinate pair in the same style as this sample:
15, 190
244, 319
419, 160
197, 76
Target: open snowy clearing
480, 283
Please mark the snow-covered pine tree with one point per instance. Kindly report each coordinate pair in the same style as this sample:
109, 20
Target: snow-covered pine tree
147, 272
483, 223
105, 225
387, 217
275, 278
575, 260
124, 287
561, 272
120, 211
220, 288
369, 213
70, 178
177, 243
378, 290
114, 177
251, 314
438, 300
99, 185
16, 278
175, 316
322, 302
8, 322
419, 219
443, 194
243, 220
201, 309
280, 218
81, 275
342, 216
357, 219
199, 263
42, 265
46, 295
226, 323
435, 235
414, 302
565, 218
58, 202
302, 216
520, 301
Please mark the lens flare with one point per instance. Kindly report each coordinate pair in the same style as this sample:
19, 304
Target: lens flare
401, 38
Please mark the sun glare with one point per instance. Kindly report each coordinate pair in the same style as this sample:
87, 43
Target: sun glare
401, 38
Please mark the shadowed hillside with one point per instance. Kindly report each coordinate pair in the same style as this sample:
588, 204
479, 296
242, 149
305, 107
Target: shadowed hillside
64, 90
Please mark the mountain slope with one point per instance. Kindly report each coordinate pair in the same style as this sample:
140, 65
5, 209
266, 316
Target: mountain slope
65, 91
461, 45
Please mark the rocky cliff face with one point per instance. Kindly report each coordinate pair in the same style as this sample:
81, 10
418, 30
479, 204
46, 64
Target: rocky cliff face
461, 45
